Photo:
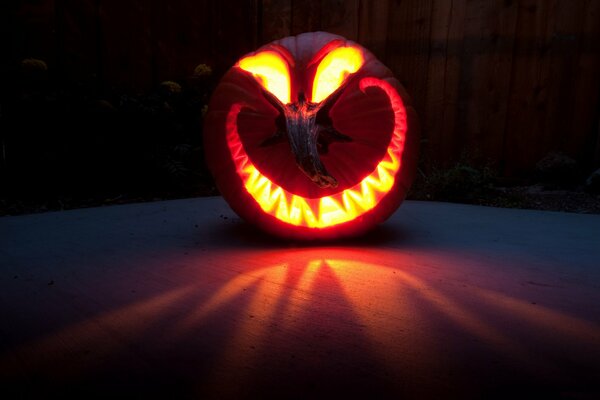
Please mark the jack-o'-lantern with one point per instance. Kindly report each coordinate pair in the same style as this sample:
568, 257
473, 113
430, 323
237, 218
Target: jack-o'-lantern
311, 137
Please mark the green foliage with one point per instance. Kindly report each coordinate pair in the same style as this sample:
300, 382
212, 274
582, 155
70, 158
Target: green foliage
67, 141
462, 182
202, 70
33, 64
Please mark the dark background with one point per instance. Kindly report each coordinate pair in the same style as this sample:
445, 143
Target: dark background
102, 100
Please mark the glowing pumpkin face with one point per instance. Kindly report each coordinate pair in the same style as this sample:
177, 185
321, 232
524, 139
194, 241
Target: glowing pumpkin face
311, 137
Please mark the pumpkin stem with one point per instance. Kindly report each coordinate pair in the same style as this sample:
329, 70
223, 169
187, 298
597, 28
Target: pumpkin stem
303, 133
309, 132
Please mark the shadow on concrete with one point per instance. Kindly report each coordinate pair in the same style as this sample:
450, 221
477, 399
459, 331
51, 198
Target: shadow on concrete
242, 234
154, 303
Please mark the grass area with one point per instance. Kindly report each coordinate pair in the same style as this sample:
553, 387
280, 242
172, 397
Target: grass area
466, 183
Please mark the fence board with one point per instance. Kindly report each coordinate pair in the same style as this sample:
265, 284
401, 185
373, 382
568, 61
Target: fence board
340, 17
530, 83
586, 94
127, 45
485, 77
443, 77
32, 32
563, 53
236, 31
373, 20
78, 54
276, 20
408, 47
306, 16
182, 33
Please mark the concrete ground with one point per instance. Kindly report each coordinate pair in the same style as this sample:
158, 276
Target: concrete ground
180, 299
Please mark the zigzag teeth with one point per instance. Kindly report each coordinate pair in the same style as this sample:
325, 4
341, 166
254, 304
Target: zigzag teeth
334, 209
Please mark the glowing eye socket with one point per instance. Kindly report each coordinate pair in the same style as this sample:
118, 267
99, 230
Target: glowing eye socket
271, 71
333, 70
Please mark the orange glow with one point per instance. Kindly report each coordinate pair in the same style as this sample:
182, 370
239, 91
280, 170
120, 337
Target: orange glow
333, 70
326, 211
376, 304
271, 71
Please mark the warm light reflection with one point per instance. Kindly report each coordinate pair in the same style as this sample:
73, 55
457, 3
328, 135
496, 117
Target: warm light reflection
376, 304
331, 210
333, 70
388, 289
392, 307
130, 320
272, 71
252, 329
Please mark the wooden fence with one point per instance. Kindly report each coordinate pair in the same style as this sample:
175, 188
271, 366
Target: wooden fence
507, 81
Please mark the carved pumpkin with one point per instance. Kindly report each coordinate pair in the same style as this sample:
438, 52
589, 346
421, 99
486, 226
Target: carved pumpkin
311, 137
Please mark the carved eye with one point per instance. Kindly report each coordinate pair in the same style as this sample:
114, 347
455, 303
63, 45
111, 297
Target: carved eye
333, 71
272, 72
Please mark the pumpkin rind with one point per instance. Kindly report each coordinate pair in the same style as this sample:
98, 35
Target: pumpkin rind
240, 89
